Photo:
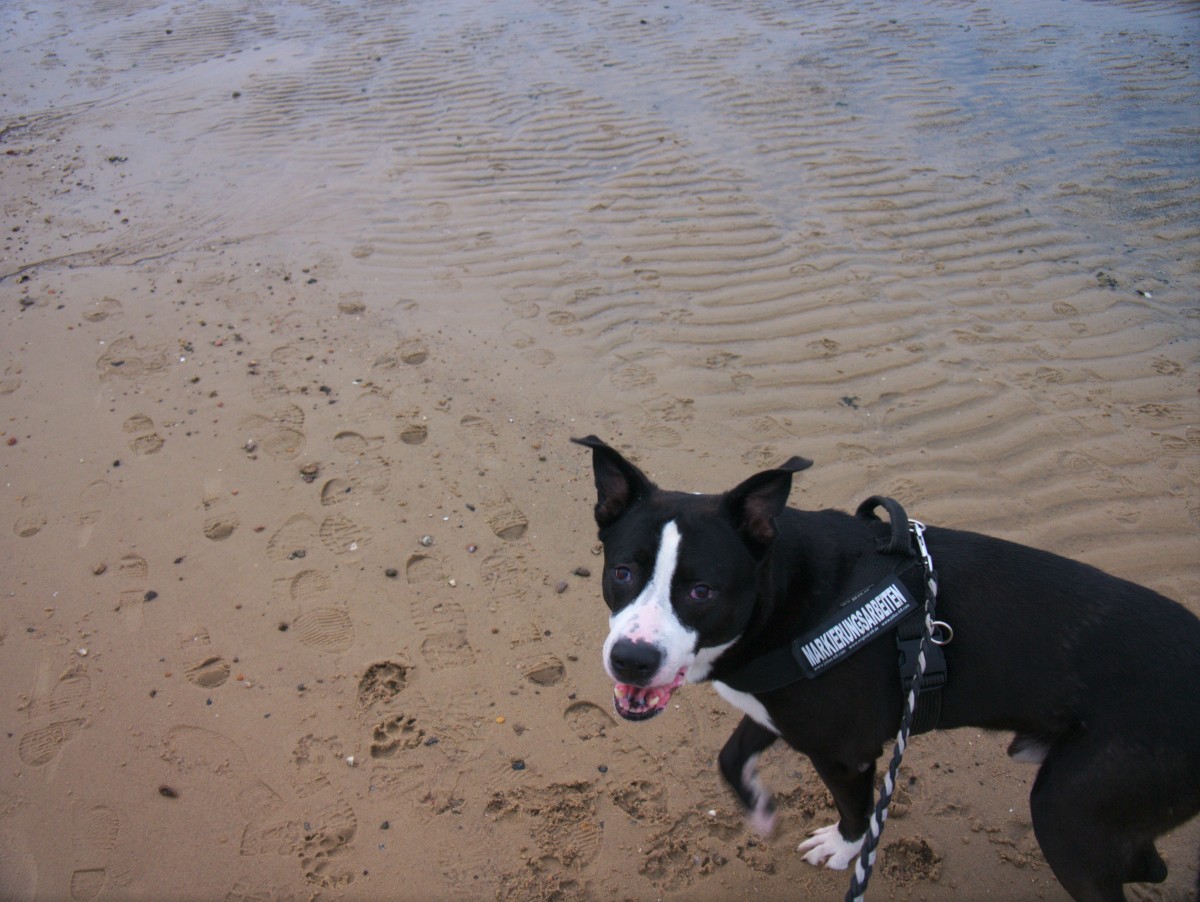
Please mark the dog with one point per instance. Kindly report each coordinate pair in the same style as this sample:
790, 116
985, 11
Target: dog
1097, 677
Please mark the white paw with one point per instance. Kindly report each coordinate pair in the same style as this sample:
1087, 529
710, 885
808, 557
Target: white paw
826, 846
761, 820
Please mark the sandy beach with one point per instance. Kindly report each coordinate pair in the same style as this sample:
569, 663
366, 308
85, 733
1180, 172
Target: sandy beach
300, 303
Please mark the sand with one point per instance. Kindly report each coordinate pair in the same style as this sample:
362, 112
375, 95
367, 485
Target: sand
301, 302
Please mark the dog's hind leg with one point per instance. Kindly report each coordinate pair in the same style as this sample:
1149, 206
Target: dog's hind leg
1096, 809
739, 766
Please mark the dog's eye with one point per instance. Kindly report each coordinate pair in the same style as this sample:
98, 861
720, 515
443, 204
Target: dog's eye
622, 574
703, 592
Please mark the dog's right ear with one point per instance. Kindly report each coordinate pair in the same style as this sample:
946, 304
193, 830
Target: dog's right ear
618, 482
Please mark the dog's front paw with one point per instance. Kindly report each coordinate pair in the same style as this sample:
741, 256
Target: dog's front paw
826, 846
762, 819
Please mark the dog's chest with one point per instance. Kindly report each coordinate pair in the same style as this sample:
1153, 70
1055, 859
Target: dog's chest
747, 704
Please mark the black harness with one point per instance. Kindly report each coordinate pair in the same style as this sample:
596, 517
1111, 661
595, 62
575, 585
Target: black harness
894, 583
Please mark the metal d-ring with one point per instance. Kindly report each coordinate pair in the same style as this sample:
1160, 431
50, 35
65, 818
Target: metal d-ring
936, 634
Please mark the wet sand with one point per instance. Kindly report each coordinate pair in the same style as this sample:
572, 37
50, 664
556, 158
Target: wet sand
302, 301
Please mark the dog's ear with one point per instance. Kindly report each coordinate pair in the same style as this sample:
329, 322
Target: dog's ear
754, 505
618, 482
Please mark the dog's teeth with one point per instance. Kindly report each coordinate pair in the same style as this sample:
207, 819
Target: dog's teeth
620, 691
652, 700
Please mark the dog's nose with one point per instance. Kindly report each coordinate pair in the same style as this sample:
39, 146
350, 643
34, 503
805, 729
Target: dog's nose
635, 662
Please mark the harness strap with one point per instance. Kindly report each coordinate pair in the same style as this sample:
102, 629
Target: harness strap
896, 589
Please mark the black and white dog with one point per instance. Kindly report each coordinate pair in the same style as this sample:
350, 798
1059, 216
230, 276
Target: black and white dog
1099, 678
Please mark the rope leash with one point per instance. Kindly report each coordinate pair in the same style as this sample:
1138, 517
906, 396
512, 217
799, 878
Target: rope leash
866, 856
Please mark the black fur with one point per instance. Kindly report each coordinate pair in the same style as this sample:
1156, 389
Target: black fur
1098, 673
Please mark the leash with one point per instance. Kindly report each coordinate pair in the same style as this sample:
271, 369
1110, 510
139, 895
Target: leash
931, 638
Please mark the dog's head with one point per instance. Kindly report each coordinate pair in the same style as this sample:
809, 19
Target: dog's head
680, 573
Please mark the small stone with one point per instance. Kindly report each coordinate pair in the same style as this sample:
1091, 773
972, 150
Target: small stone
426, 541
560, 586
391, 572
99, 568
519, 764
583, 572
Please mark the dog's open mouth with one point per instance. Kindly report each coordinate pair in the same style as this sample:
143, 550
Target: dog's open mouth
643, 702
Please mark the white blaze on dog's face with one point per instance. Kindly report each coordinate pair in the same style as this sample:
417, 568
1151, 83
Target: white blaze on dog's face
654, 640
650, 622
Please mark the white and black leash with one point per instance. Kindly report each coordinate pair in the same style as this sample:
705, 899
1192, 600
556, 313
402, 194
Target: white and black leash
866, 856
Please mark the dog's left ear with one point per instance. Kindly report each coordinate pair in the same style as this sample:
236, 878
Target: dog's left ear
754, 505
618, 482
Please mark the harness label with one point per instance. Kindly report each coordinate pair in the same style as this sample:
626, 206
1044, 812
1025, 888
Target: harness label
881, 607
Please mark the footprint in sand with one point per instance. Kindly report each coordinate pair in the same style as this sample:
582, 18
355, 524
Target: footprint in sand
658, 435
382, 682
504, 517
32, 519
126, 359
424, 568
69, 695
330, 824
132, 573
95, 836
414, 433
147, 441
220, 523
102, 309
206, 670
643, 800
91, 507
395, 734
443, 627
546, 670
479, 433
299, 535
632, 376
365, 471
335, 491
208, 673
587, 721
506, 520
39, 747
325, 629
412, 351
341, 535
29, 525
562, 819
278, 434
504, 574
305, 587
